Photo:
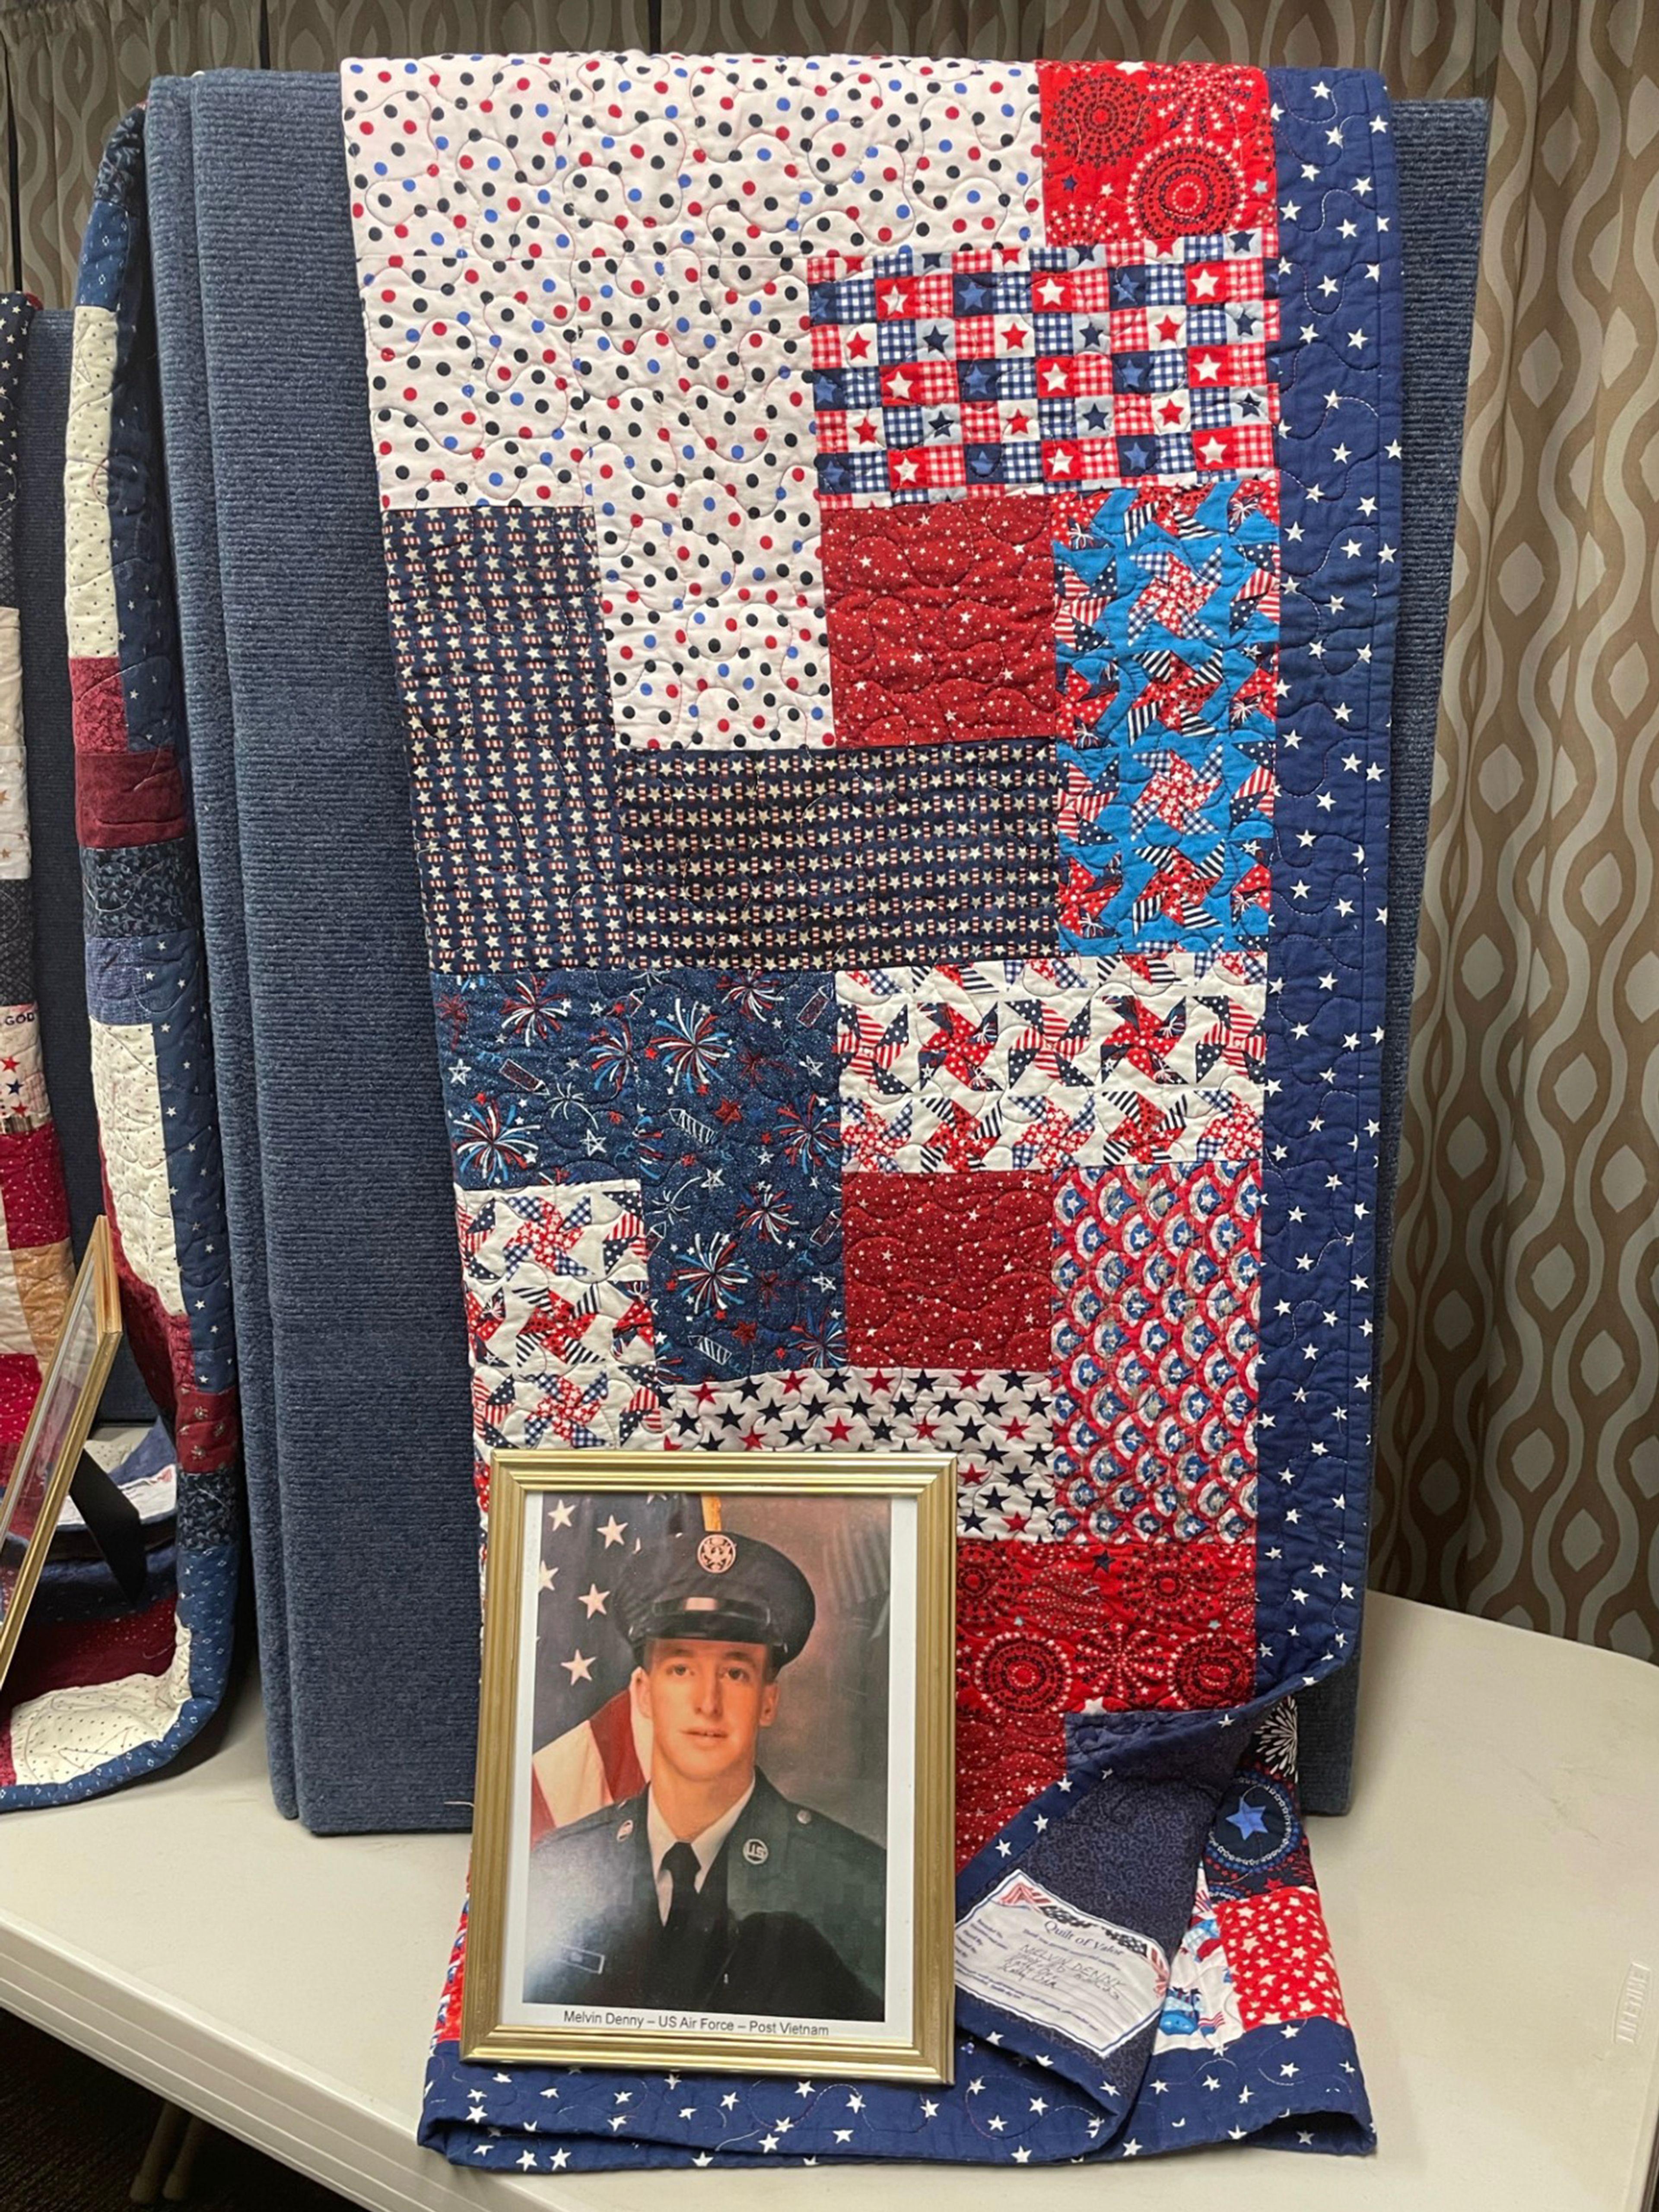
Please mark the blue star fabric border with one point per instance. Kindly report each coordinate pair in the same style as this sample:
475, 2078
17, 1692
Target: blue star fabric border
1341, 336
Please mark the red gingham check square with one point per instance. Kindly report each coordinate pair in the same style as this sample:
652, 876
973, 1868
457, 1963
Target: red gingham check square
1088, 291
895, 299
1078, 460
945, 470
919, 384
1091, 376
1242, 367
1240, 445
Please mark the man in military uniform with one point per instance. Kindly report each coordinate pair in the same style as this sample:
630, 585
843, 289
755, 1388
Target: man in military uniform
709, 1891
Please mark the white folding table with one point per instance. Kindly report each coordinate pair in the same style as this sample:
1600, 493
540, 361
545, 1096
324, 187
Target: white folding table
1493, 1900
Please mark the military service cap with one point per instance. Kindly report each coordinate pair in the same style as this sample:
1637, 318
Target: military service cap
719, 1586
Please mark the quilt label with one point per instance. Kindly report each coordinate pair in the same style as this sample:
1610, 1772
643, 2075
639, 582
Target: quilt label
1029, 1953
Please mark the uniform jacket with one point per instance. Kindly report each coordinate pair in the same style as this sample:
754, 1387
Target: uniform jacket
792, 1918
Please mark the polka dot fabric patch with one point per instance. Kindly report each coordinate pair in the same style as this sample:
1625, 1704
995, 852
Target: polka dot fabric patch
584, 283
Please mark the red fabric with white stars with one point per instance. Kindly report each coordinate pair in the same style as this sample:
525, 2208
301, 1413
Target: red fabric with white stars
1281, 1957
948, 1269
940, 622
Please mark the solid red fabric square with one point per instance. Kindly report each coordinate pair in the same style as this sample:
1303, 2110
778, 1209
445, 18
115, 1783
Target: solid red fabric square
100, 706
940, 621
20, 1383
128, 798
948, 1270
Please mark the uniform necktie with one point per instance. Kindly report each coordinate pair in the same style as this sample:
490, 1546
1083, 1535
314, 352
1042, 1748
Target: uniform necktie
680, 1862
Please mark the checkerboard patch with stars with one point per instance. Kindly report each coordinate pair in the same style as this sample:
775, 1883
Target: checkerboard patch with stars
892, 565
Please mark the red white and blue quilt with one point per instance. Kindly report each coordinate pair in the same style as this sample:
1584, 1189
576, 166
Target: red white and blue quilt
892, 567
105, 1687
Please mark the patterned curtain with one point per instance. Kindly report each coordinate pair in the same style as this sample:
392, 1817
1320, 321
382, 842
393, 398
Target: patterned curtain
72, 69
1520, 1434
1518, 1452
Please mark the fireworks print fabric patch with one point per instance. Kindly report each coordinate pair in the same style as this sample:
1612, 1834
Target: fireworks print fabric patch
892, 571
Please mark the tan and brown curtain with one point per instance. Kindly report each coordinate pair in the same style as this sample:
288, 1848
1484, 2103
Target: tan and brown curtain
1518, 1450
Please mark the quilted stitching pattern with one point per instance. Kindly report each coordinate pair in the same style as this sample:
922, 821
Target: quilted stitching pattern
1158, 1282
940, 622
950, 1270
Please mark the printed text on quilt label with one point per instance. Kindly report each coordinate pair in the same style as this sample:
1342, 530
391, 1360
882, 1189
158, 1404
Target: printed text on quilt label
1031, 1953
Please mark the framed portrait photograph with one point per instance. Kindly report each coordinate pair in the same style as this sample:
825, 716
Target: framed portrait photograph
36, 1482
714, 1811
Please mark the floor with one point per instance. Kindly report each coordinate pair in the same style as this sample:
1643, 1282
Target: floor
72, 2134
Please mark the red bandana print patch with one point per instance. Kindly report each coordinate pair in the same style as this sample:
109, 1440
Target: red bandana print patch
1168, 150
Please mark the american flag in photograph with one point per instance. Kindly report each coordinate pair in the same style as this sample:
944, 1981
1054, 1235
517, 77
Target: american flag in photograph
588, 1752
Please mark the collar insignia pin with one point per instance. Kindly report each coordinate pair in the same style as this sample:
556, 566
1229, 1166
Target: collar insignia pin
754, 1851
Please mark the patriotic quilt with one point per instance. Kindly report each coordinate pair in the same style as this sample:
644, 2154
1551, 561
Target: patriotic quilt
103, 1689
892, 569
36, 1265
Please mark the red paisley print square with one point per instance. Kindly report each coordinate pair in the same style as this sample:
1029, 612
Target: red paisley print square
948, 1270
940, 621
1153, 152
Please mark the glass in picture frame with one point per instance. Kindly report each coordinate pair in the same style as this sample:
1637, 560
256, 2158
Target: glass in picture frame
714, 1800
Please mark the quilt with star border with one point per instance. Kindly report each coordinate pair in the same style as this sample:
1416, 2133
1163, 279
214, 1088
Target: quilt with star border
893, 569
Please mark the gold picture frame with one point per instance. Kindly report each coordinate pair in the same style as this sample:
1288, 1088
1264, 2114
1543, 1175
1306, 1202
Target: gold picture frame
914, 1920
59, 1425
